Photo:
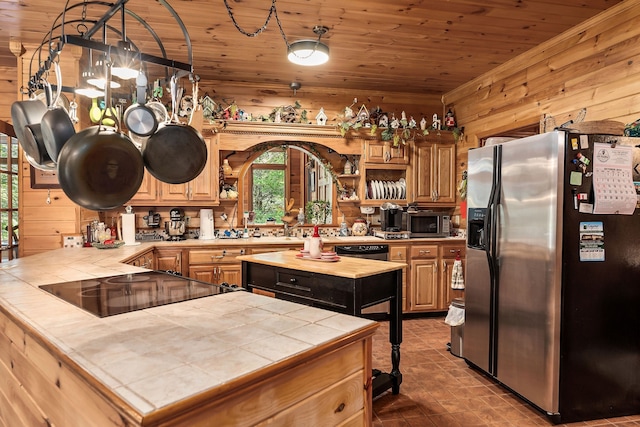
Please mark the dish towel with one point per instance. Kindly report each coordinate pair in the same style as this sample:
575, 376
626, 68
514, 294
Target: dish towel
457, 280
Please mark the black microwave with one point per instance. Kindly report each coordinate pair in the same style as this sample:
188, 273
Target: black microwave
426, 224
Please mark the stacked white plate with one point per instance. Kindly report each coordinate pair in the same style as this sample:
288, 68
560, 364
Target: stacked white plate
386, 190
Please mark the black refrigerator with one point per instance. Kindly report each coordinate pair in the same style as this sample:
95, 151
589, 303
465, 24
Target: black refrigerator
552, 293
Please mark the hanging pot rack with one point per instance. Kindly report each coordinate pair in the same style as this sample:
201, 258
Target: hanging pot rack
84, 40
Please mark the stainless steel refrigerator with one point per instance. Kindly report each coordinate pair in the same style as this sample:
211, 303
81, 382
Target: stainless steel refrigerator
552, 294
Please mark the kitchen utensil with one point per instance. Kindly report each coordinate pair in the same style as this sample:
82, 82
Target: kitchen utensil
197, 114
33, 146
175, 153
26, 117
99, 168
140, 119
95, 112
56, 125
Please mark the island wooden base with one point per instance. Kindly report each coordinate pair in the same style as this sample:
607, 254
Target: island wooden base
329, 385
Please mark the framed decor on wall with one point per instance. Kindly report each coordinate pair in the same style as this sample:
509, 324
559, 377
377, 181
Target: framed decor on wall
43, 179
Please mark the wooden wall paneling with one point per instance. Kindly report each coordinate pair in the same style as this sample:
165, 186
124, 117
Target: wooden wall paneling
591, 66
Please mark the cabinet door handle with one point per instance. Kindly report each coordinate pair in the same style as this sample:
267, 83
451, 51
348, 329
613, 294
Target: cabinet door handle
217, 256
424, 251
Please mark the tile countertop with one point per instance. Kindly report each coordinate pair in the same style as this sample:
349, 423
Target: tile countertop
158, 356
281, 240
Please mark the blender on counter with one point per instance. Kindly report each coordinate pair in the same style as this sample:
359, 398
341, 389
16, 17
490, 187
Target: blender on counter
176, 226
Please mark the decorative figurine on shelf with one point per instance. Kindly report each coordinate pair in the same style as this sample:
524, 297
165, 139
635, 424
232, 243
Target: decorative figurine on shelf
363, 115
395, 123
384, 121
321, 117
412, 123
374, 116
423, 124
226, 167
347, 167
348, 113
278, 117
450, 120
436, 122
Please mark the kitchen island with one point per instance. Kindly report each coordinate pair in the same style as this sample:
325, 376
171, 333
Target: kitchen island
231, 359
345, 285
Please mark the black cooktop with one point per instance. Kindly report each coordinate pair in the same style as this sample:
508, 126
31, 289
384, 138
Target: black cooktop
129, 292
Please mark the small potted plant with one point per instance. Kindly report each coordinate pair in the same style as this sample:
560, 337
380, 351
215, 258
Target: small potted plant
317, 211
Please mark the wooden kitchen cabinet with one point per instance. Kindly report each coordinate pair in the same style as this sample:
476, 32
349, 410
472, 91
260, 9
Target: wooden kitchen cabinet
384, 152
429, 286
204, 188
449, 252
169, 260
145, 260
216, 265
423, 294
434, 170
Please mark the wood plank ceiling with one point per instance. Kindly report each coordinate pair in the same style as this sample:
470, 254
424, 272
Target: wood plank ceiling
416, 46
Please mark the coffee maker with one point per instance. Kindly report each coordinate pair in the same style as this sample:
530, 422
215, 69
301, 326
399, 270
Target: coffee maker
390, 217
176, 226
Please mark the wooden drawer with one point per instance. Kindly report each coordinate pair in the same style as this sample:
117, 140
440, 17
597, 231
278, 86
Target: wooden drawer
450, 250
398, 253
257, 250
213, 256
327, 391
424, 251
333, 406
331, 293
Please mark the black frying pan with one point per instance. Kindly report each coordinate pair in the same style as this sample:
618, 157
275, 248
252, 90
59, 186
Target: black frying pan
34, 149
175, 153
100, 168
57, 128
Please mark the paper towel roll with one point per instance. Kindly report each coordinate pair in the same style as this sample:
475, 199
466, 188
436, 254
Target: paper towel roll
206, 224
129, 229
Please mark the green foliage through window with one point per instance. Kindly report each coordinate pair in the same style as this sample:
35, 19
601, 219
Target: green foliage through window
268, 186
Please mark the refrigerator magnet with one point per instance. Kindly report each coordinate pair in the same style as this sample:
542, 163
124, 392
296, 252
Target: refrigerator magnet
591, 241
584, 142
583, 159
575, 178
574, 143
